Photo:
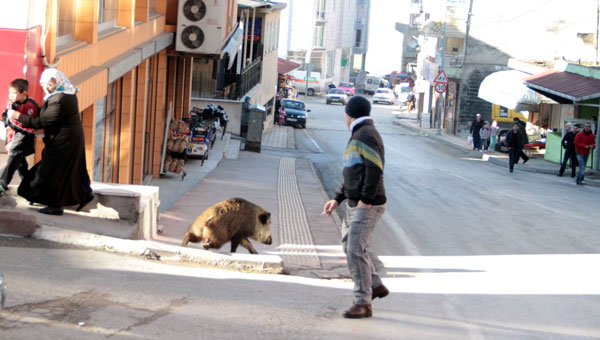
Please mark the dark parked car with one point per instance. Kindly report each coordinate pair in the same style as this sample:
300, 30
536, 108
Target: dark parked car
296, 113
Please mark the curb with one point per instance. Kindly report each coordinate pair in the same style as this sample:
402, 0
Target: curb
336, 218
492, 160
271, 264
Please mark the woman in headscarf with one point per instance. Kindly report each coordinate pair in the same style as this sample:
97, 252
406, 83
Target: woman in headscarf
60, 179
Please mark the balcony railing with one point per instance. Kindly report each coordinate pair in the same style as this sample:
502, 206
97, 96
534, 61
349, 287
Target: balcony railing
235, 85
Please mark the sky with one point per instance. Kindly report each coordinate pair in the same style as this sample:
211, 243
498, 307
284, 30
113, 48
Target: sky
385, 48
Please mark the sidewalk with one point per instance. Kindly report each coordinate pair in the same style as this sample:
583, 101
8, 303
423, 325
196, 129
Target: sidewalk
535, 164
304, 241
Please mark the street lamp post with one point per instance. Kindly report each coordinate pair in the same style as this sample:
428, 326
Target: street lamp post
308, 70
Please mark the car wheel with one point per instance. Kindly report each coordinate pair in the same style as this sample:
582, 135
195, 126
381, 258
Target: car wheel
328, 102
310, 92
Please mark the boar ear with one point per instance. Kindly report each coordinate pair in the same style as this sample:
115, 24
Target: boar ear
264, 217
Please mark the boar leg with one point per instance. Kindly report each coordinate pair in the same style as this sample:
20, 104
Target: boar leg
189, 237
234, 243
246, 244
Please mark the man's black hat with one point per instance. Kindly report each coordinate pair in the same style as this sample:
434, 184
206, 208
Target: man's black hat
358, 107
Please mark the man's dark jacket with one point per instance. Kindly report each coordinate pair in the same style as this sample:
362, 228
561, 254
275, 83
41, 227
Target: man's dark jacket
512, 134
363, 167
568, 141
476, 126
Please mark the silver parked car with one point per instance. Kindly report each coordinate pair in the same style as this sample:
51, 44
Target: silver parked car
384, 95
336, 95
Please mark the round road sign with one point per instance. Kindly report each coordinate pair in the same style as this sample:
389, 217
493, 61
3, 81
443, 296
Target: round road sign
440, 87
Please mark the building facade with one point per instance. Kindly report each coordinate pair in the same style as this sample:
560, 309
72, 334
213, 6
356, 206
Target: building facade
114, 52
328, 40
479, 38
245, 68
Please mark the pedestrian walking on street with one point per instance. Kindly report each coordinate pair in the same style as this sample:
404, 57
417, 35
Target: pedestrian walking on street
524, 141
585, 141
484, 134
493, 135
475, 127
363, 189
514, 141
60, 178
568, 143
20, 141
410, 102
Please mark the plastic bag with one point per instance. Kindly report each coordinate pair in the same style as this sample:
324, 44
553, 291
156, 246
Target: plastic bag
470, 140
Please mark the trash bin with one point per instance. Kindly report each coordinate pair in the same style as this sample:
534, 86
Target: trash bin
256, 119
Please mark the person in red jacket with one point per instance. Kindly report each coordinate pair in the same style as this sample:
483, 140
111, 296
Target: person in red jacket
20, 141
584, 142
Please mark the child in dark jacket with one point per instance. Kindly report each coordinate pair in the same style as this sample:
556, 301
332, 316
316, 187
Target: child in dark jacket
20, 142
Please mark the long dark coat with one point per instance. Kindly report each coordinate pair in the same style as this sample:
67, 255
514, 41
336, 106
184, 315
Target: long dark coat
60, 178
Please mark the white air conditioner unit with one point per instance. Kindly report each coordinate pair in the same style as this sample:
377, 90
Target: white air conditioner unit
201, 26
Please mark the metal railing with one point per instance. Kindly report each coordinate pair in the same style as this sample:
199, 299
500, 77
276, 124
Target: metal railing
234, 86
248, 79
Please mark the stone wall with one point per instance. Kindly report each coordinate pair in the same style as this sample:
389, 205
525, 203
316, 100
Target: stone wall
469, 103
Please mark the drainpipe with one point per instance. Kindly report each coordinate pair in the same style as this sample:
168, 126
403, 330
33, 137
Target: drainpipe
252, 39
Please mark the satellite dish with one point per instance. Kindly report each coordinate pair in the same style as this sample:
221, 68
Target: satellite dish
413, 44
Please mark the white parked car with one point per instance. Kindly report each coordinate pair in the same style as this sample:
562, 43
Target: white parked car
336, 95
384, 96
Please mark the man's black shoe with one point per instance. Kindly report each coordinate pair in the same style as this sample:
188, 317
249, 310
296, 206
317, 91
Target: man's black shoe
51, 211
358, 312
379, 292
525, 161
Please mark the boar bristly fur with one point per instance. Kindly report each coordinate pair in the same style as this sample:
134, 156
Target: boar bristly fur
233, 220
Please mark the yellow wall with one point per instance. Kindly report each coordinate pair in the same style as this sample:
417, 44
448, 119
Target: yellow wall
86, 62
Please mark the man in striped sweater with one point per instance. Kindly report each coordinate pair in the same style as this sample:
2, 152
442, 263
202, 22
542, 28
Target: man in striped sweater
365, 194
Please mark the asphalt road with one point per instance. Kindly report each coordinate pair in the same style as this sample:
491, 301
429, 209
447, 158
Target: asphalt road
498, 255
468, 250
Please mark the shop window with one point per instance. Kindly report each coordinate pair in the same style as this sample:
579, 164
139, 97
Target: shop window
152, 6
454, 45
107, 16
318, 36
106, 109
330, 64
66, 22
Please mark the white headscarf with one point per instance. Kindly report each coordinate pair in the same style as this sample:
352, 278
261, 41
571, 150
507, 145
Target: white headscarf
63, 85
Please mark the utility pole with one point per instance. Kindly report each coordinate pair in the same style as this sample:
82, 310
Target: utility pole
441, 95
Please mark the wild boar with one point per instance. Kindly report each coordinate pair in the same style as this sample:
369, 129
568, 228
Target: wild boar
233, 220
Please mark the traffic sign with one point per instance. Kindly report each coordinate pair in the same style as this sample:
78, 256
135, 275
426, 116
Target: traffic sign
440, 87
441, 78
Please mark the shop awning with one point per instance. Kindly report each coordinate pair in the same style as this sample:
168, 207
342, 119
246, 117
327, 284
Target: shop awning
285, 66
564, 87
507, 88
233, 45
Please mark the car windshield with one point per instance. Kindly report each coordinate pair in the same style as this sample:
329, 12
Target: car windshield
336, 91
383, 91
346, 85
292, 104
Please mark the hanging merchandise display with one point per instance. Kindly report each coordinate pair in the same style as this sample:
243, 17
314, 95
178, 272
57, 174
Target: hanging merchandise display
177, 144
